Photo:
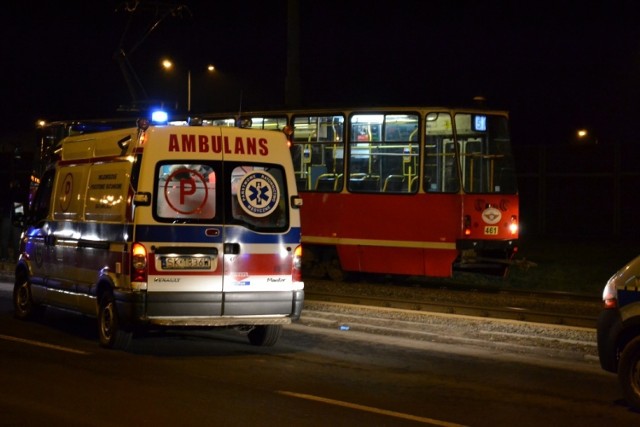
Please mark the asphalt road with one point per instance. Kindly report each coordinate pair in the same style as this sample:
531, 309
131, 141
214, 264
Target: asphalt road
328, 373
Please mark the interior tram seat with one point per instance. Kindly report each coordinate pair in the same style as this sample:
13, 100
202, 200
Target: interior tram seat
394, 184
364, 182
413, 184
329, 182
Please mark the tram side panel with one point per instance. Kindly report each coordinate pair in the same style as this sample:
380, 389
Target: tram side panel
394, 234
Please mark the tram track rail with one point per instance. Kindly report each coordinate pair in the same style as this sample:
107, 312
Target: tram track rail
508, 312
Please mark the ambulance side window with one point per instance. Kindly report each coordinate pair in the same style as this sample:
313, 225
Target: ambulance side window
185, 192
258, 197
42, 199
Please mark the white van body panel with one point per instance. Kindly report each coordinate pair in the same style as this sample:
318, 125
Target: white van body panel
210, 208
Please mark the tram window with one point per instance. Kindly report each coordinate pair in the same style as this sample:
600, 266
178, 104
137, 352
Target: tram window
265, 123
225, 122
383, 153
440, 163
318, 152
485, 154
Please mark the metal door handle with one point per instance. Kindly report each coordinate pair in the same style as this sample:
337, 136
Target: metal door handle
232, 248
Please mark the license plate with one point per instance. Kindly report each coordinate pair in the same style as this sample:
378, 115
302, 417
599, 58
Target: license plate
186, 263
491, 230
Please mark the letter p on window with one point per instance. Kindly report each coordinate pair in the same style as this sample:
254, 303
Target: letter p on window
187, 188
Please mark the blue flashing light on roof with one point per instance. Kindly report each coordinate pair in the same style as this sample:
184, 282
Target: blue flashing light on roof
159, 117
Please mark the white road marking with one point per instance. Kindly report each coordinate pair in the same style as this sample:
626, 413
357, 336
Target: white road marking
423, 420
42, 344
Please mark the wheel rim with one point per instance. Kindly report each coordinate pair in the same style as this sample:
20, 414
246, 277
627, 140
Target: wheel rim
23, 297
635, 377
107, 321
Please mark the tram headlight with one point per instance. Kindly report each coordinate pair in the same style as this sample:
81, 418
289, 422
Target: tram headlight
513, 225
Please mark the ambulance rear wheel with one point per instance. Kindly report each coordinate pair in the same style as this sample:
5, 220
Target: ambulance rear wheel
23, 306
110, 333
265, 335
629, 373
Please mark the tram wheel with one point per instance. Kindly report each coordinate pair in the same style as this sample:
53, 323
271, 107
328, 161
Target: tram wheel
335, 271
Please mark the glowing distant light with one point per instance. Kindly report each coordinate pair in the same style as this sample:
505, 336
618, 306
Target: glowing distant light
159, 117
211, 67
167, 64
584, 136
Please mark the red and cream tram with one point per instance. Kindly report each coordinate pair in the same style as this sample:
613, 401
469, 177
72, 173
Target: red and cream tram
410, 191
417, 191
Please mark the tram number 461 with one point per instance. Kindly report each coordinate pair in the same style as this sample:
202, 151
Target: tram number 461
491, 230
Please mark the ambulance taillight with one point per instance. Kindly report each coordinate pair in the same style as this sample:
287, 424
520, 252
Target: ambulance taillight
296, 268
138, 263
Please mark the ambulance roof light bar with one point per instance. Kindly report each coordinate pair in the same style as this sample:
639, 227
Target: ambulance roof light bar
159, 117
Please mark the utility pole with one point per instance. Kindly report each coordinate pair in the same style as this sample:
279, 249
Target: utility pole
292, 81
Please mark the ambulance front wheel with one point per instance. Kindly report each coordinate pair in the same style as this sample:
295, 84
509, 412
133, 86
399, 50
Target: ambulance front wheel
110, 333
265, 336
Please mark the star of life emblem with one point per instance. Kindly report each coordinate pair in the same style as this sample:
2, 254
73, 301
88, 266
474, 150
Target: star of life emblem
258, 194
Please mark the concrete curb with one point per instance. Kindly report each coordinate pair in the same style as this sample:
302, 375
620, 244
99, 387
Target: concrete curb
506, 336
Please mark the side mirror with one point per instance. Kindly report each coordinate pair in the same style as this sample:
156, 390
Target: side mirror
18, 220
17, 216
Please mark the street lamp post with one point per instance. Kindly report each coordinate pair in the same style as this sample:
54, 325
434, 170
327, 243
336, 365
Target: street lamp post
188, 92
168, 65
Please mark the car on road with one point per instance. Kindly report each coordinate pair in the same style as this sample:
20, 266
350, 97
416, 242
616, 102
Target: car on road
619, 330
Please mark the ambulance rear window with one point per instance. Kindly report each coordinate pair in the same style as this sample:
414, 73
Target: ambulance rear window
258, 197
185, 192
251, 195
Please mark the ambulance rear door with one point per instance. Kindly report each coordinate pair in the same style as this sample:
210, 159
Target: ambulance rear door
261, 233
182, 229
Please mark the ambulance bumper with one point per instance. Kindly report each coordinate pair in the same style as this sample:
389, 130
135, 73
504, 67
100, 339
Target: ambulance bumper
209, 309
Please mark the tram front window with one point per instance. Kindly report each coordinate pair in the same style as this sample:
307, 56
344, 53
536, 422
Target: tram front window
485, 154
440, 162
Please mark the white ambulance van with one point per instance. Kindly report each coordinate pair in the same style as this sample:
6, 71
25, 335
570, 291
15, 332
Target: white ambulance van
166, 226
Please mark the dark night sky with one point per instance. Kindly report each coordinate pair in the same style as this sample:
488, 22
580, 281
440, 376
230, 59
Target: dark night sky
554, 65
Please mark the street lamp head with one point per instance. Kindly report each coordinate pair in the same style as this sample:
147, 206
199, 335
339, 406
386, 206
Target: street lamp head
168, 65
